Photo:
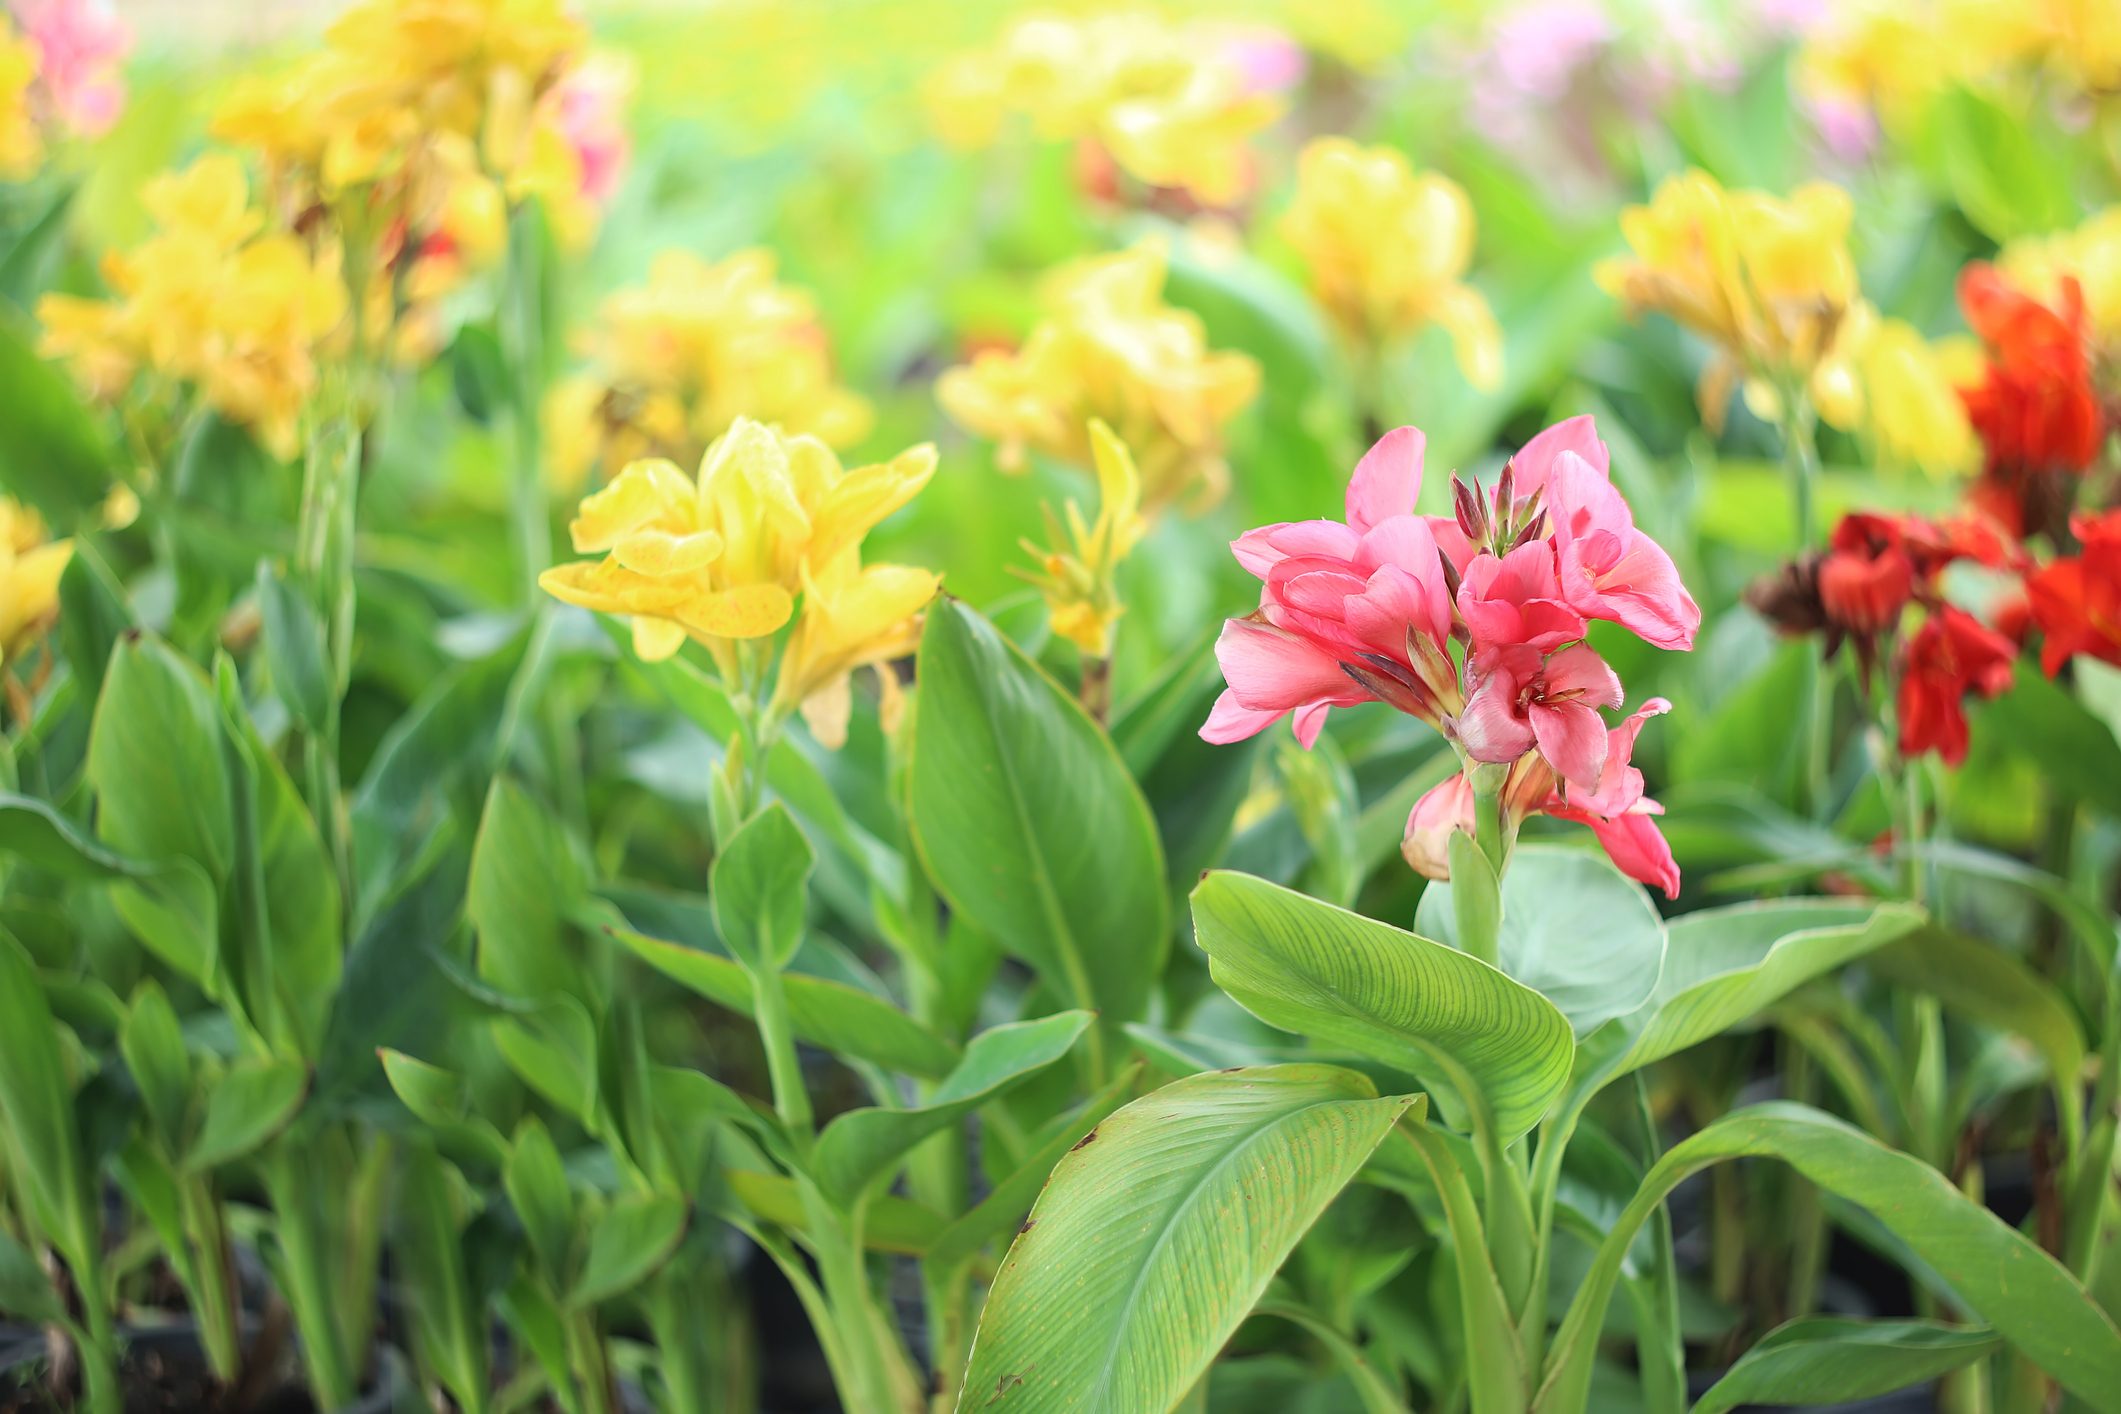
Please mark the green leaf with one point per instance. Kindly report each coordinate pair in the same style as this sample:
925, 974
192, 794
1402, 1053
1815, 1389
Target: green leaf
93, 615
435, 1095
51, 453
152, 1043
759, 889
1725, 965
1833, 1360
628, 1242
39, 1127
1338, 977
536, 1183
1994, 1271
1574, 929
294, 650
154, 759
862, 1146
2077, 754
37, 834
444, 1310
1159, 1231
1029, 823
26, 1294
526, 882
254, 1101
840, 1018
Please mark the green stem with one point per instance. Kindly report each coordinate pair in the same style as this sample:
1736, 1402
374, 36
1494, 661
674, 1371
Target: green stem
324, 558
213, 1289
791, 1100
877, 1374
586, 1356
1800, 454
522, 335
674, 1305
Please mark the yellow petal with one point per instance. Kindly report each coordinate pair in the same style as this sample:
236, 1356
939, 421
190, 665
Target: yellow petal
645, 492
611, 588
827, 710
747, 611
864, 498
656, 639
659, 554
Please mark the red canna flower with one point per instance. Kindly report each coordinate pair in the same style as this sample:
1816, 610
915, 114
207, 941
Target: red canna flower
1867, 575
1951, 655
2076, 602
2034, 407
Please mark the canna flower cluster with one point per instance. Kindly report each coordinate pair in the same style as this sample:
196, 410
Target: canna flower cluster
78, 47
1860, 591
1767, 280
1173, 104
1111, 350
767, 538
2032, 402
1386, 250
30, 565
1476, 624
418, 125
674, 363
214, 300
2075, 600
1076, 568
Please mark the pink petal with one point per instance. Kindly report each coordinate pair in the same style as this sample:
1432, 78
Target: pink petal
1580, 500
1572, 738
1273, 670
1387, 479
1260, 550
1452, 541
1580, 670
1442, 809
1534, 461
1230, 720
1638, 848
1489, 727
1620, 784
1310, 719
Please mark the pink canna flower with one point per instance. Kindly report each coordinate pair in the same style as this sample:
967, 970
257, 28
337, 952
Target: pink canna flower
1474, 623
1609, 569
80, 45
592, 103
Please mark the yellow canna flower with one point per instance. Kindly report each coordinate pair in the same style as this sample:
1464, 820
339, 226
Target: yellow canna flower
1168, 100
2091, 254
210, 300
1765, 278
853, 616
1076, 570
30, 565
1894, 56
674, 363
1884, 380
1387, 250
1110, 349
21, 144
725, 559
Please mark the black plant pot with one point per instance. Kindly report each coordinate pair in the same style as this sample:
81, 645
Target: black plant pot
163, 1371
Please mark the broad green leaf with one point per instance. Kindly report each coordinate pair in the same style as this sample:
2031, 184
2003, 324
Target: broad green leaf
1995, 1272
40, 1129
1029, 823
1574, 929
1159, 1231
536, 1183
435, 1095
862, 1146
2077, 753
1833, 1360
628, 1241
526, 881
154, 759
51, 453
758, 885
889, 1224
1724, 965
26, 1294
840, 1018
93, 615
1010, 1199
294, 649
1338, 977
250, 1104
152, 1043
37, 834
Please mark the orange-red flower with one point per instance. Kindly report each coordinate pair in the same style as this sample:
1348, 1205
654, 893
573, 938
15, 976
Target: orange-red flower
2034, 408
2076, 602
1951, 656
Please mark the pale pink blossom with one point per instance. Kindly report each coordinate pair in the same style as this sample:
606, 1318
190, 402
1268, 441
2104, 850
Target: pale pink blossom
592, 118
80, 46
1523, 701
1609, 569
